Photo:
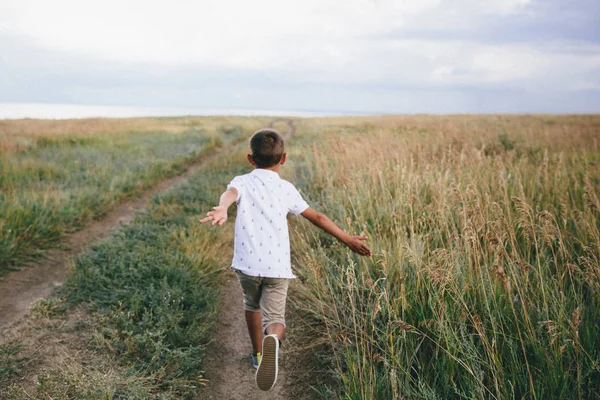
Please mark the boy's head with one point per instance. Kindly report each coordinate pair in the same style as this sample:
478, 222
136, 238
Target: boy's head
267, 148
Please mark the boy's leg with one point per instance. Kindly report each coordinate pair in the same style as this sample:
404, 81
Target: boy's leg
272, 304
254, 323
276, 329
251, 286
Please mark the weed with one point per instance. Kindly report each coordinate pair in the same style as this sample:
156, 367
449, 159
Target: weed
10, 361
506, 142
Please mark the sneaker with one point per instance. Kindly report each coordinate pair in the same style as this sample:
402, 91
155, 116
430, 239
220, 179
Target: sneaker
266, 375
256, 360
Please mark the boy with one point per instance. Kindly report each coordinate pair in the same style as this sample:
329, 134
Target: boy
261, 257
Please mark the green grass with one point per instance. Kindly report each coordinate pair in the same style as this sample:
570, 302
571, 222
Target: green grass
151, 290
63, 182
11, 361
155, 284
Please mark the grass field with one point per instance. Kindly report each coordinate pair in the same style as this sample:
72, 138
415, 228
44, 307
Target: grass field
56, 176
136, 314
485, 279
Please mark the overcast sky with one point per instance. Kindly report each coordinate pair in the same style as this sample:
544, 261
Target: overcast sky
400, 56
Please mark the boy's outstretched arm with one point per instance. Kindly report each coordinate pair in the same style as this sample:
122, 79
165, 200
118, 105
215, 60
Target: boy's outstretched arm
219, 213
355, 243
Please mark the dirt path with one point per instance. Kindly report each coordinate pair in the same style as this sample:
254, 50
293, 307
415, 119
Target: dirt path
291, 128
21, 288
228, 365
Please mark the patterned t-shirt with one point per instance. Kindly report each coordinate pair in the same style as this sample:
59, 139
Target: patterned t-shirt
262, 241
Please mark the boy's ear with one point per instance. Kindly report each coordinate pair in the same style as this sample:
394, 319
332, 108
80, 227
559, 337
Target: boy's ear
283, 158
251, 160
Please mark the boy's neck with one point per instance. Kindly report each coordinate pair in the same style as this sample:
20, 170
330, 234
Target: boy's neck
274, 168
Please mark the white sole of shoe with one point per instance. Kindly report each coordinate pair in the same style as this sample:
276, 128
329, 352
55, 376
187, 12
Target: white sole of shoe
266, 375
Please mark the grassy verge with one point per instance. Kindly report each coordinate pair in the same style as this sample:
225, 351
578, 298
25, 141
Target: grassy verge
140, 304
11, 362
486, 277
54, 183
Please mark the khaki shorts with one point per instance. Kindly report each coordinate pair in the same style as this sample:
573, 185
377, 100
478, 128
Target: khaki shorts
266, 295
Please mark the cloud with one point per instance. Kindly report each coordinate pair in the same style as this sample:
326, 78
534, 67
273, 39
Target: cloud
227, 51
229, 32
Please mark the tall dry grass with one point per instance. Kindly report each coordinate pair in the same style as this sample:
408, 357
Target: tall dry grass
485, 281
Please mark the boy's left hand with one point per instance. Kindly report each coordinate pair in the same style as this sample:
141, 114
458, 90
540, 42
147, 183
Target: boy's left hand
357, 245
218, 216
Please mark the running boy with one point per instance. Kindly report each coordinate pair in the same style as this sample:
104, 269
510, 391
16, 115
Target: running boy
261, 257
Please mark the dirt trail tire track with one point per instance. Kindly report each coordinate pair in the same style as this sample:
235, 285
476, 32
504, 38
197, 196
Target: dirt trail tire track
20, 288
228, 366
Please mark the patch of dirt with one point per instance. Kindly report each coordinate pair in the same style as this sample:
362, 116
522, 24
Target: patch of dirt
48, 342
291, 128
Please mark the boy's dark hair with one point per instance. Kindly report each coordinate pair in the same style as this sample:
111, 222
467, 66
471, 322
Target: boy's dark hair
267, 148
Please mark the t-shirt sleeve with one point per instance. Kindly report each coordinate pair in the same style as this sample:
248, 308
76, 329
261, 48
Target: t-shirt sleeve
296, 204
237, 183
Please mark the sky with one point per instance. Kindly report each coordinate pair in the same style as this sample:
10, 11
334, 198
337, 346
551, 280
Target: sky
377, 56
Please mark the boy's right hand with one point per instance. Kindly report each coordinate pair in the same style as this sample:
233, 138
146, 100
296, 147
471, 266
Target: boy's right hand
357, 245
218, 216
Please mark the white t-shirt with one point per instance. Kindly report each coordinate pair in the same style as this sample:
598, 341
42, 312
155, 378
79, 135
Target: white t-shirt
262, 241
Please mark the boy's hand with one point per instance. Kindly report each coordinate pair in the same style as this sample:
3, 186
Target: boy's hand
218, 216
219, 213
357, 245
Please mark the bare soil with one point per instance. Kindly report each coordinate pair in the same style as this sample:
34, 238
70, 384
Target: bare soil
52, 342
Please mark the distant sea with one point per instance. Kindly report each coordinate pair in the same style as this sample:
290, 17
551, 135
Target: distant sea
67, 111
